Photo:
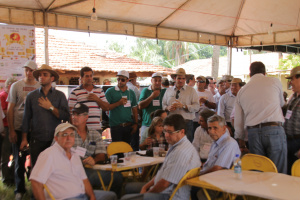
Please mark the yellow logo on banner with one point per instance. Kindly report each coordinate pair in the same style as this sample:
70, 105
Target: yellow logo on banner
14, 38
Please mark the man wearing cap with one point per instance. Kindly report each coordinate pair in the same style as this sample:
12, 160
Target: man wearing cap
221, 90
227, 79
182, 99
90, 142
90, 95
16, 101
258, 108
292, 118
45, 108
226, 103
206, 100
60, 169
7, 171
151, 99
123, 114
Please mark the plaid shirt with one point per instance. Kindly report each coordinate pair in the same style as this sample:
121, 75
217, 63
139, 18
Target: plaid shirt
93, 143
292, 125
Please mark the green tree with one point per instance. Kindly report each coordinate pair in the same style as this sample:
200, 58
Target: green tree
115, 46
290, 62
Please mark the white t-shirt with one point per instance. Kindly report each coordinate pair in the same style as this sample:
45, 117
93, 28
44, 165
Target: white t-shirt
202, 142
206, 95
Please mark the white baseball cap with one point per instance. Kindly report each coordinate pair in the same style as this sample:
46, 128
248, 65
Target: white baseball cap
123, 73
31, 64
156, 74
62, 127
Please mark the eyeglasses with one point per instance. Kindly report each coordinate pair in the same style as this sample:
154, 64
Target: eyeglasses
177, 94
66, 135
229, 81
200, 82
121, 79
169, 132
76, 114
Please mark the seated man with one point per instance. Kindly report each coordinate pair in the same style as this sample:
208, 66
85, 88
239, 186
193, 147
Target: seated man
222, 152
91, 143
60, 169
180, 158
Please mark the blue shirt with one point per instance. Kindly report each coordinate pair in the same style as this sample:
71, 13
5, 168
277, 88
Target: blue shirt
222, 152
180, 158
40, 121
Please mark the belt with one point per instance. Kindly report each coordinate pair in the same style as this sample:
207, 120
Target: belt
290, 137
125, 124
265, 124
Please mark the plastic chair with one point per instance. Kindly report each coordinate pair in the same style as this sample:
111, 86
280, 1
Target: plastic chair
118, 147
190, 174
48, 191
253, 162
296, 168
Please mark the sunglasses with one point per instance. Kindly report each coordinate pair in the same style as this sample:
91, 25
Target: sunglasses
177, 94
200, 82
121, 79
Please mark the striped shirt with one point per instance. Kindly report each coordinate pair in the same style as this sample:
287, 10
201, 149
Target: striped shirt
180, 158
292, 125
222, 152
93, 143
80, 95
226, 105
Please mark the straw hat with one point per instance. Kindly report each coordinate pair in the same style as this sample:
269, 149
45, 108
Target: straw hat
45, 67
179, 71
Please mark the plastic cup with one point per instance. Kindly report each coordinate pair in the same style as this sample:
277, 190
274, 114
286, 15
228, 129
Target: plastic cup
114, 161
127, 158
155, 152
162, 149
133, 156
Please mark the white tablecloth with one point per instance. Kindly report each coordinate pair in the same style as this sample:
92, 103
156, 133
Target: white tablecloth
261, 184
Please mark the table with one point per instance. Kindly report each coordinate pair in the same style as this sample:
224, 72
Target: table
267, 185
141, 161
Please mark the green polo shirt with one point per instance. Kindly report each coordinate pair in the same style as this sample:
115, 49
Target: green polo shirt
120, 114
146, 92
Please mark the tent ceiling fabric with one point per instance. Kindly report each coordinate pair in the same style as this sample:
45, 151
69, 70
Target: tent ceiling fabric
237, 23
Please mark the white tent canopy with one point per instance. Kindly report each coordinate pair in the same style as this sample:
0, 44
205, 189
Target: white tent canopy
236, 23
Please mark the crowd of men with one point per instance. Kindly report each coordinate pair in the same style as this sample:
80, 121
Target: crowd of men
208, 123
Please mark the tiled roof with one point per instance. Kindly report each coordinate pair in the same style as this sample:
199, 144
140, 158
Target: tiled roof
69, 55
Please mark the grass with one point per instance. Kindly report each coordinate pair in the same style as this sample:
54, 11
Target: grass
7, 193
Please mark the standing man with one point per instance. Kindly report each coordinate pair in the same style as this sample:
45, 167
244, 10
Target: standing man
180, 158
292, 117
227, 80
258, 107
123, 114
220, 92
132, 84
60, 169
190, 80
45, 108
6, 151
90, 95
206, 99
151, 100
182, 99
16, 102
226, 103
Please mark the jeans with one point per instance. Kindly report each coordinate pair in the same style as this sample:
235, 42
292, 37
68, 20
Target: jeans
135, 140
99, 194
293, 146
106, 176
7, 172
270, 141
189, 130
143, 129
133, 189
19, 165
119, 133
36, 147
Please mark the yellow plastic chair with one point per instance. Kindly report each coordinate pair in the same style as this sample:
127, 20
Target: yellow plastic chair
118, 147
190, 174
48, 191
253, 162
296, 168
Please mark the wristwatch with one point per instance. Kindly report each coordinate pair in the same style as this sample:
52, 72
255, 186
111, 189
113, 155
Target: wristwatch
184, 107
51, 108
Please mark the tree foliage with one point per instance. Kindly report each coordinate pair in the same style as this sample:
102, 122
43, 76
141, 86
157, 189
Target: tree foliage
171, 53
289, 62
